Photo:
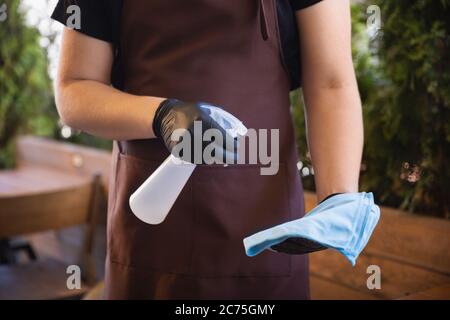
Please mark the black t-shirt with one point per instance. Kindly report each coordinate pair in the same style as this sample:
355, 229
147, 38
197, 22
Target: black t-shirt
100, 17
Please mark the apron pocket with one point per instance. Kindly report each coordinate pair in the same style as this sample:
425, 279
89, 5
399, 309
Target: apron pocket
165, 247
232, 203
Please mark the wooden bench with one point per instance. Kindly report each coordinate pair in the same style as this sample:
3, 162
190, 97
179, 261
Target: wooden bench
412, 251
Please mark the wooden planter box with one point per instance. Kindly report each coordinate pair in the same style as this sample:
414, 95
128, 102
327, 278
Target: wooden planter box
412, 251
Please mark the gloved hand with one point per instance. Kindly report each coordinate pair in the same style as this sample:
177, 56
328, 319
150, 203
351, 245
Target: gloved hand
173, 115
343, 222
297, 245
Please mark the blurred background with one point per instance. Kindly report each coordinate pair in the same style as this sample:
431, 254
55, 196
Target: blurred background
402, 59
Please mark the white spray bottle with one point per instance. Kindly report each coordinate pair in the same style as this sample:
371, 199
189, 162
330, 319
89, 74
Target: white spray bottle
152, 201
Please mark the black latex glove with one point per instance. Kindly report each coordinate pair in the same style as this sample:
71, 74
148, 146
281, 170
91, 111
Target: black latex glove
300, 245
173, 114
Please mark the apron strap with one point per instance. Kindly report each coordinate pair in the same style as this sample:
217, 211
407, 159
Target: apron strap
117, 75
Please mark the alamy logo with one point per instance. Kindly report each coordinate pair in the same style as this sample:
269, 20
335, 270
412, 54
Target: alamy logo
74, 20
374, 280
255, 147
74, 279
3, 12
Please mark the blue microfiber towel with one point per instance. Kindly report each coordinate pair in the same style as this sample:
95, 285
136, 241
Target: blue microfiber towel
343, 222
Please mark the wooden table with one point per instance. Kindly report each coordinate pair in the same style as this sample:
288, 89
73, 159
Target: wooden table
55, 186
45, 167
31, 180
36, 179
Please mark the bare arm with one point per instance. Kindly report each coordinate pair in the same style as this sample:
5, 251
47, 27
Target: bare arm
85, 98
333, 105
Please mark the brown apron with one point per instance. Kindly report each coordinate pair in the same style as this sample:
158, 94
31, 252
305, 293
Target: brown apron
225, 52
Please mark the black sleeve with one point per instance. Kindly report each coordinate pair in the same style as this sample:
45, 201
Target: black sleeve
302, 4
96, 17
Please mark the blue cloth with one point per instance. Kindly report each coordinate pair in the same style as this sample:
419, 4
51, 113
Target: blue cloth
343, 222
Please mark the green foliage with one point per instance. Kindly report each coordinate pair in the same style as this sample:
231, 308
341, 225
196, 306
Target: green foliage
25, 88
404, 81
26, 95
407, 113
300, 133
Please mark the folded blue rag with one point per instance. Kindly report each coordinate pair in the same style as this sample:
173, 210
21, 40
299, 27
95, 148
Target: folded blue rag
343, 222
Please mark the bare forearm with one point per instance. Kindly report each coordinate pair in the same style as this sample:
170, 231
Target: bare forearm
103, 111
335, 137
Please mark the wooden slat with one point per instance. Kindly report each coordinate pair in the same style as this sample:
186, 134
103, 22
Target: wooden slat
409, 238
69, 158
36, 179
310, 201
323, 289
438, 293
413, 239
397, 279
45, 211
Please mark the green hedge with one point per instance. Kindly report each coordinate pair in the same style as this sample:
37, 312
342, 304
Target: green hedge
26, 95
408, 111
25, 88
404, 81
